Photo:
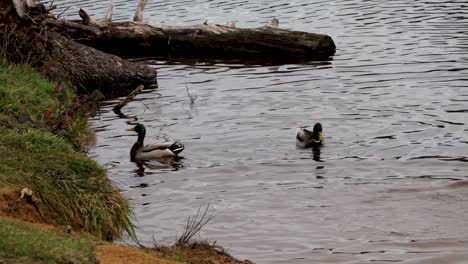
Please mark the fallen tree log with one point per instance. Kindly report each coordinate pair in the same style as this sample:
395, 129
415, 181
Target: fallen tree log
32, 37
207, 42
202, 42
212, 42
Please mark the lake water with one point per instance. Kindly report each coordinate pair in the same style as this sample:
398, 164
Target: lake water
391, 184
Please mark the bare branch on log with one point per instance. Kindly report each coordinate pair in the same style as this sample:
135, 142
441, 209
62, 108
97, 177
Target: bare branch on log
138, 17
128, 99
273, 23
109, 12
87, 20
71, 25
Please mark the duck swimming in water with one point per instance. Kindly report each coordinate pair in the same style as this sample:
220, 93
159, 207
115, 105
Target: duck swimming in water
141, 152
307, 139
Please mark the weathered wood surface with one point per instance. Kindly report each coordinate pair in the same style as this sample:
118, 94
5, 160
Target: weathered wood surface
34, 38
212, 42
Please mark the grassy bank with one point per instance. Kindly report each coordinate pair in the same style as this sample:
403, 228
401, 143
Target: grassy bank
42, 131
29, 244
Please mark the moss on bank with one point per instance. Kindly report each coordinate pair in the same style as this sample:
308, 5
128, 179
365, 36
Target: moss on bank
42, 130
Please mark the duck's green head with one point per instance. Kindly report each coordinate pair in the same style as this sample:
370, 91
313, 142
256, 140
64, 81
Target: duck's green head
317, 132
140, 130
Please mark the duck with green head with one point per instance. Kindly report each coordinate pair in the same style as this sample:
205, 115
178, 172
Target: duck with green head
308, 139
141, 152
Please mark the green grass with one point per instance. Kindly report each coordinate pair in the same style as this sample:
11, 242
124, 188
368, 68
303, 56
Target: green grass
26, 98
20, 86
24, 243
41, 152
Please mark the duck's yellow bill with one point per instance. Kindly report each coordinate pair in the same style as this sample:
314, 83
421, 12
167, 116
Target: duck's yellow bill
320, 136
130, 129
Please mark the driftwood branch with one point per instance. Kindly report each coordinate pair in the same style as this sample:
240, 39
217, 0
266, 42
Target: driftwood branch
87, 20
128, 99
109, 12
273, 23
138, 17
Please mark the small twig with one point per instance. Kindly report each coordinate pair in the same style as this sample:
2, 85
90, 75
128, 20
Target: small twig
30, 53
65, 10
192, 97
45, 42
128, 99
51, 3
6, 41
51, 6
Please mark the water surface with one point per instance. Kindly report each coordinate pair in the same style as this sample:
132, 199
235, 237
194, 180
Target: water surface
391, 184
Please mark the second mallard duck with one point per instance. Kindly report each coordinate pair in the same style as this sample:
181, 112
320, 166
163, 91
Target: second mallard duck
141, 152
307, 139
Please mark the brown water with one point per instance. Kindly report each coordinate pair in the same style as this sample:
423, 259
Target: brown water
393, 101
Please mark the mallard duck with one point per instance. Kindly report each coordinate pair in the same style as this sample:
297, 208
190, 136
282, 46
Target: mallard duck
306, 138
140, 152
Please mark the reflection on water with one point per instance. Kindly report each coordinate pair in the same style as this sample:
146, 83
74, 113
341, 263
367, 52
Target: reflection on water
391, 182
158, 164
316, 153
